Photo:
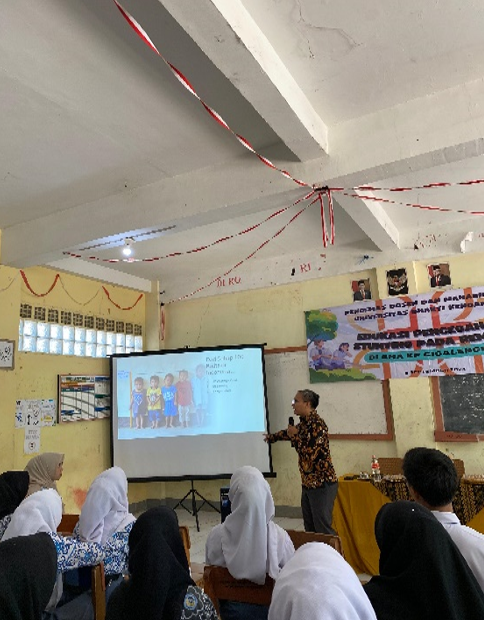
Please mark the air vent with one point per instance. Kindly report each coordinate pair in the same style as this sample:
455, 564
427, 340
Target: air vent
53, 315
66, 317
89, 322
25, 311
77, 319
39, 313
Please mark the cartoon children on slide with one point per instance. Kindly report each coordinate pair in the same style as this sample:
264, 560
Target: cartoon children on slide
138, 402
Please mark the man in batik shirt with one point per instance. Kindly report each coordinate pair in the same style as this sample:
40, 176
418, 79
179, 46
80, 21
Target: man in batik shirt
319, 481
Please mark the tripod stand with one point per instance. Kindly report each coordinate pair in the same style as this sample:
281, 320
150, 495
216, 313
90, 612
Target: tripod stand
193, 493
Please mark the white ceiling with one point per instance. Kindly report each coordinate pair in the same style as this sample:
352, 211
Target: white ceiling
101, 142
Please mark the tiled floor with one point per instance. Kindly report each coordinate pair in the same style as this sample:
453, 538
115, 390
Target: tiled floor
210, 518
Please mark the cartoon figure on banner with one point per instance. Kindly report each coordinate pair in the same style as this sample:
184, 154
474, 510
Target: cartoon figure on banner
320, 357
439, 275
361, 289
397, 282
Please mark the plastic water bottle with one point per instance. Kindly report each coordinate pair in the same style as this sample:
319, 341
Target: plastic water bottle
375, 469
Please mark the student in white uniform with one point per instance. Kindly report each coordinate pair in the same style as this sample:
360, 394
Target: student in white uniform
433, 482
249, 544
318, 584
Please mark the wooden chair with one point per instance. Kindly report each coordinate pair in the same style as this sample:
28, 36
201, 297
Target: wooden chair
300, 538
98, 582
67, 524
185, 536
98, 591
220, 585
391, 466
460, 467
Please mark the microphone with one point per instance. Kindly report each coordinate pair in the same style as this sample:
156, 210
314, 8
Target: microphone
291, 421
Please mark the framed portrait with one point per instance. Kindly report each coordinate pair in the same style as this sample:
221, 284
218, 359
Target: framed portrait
360, 289
439, 275
397, 282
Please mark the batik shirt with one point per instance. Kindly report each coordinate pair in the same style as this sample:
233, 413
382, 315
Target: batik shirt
115, 550
73, 553
312, 446
197, 606
4, 523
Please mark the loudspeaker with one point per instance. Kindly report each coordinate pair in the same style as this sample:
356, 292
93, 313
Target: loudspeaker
225, 506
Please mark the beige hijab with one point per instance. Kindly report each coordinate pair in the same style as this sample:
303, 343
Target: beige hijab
42, 469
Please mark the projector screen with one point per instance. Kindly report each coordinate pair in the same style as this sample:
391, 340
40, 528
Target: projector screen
189, 413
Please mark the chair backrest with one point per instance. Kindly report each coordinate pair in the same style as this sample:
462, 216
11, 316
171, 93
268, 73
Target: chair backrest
219, 585
185, 536
460, 467
300, 538
391, 466
98, 591
67, 524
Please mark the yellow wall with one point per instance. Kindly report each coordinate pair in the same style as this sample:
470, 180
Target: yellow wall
272, 315
275, 316
86, 445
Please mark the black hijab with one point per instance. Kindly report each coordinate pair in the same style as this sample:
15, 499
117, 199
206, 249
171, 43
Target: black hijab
159, 572
423, 575
13, 488
28, 568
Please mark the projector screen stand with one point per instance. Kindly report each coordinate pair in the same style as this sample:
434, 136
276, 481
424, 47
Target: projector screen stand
193, 494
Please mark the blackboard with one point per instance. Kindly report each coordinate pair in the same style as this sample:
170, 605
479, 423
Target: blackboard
352, 410
462, 404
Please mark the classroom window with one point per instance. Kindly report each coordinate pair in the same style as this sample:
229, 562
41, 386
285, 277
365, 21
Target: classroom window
79, 341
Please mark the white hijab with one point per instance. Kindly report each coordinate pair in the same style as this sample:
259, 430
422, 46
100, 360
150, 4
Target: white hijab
39, 512
248, 543
105, 510
318, 583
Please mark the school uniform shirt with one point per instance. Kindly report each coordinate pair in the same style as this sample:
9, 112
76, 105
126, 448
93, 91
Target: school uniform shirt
318, 584
105, 518
469, 542
42, 512
4, 523
248, 543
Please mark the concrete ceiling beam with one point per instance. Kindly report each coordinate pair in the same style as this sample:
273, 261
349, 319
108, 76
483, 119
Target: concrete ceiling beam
229, 36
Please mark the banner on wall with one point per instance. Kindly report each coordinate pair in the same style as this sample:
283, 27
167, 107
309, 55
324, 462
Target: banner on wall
433, 334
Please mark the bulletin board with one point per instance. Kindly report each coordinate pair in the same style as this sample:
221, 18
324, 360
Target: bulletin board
352, 410
84, 397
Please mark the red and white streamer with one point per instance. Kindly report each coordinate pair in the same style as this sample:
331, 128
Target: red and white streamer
213, 113
252, 254
194, 250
